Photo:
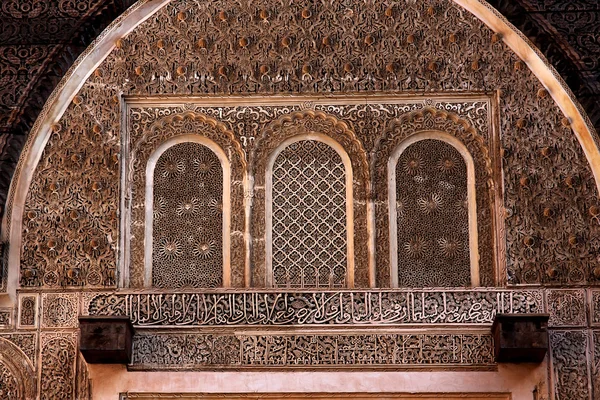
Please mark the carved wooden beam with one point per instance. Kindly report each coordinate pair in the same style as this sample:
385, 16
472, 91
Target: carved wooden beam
520, 337
106, 340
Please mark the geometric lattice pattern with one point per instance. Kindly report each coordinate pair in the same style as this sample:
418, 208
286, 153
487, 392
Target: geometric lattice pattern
309, 241
188, 218
432, 216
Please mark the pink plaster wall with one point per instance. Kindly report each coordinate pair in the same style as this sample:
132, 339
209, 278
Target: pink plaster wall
519, 380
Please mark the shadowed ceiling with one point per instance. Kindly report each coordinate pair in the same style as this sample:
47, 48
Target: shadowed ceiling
40, 40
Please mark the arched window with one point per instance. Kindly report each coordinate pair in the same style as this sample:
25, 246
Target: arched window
309, 214
187, 229
433, 227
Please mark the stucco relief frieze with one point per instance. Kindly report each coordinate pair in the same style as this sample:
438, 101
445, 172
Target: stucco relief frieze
183, 351
344, 308
227, 48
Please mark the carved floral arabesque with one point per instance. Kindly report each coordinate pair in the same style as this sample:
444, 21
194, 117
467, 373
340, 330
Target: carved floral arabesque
228, 47
70, 228
27, 311
344, 308
59, 310
567, 308
5, 318
8, 383
58, 366
595, 364
205, 351
17, 376
569, 359
82, 380
595, 300
26, 342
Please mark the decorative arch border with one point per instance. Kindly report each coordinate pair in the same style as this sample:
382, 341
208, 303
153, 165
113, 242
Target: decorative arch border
443, 124
471, 199
161, 135
21, 368
87, 62
297, 126
349, 202
149, 204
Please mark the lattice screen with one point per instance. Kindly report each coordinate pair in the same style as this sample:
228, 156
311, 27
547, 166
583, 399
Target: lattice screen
309, 242
432, 216
188, 218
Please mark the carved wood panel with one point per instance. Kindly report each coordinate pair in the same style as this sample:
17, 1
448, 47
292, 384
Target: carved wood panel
432, 217
187, 218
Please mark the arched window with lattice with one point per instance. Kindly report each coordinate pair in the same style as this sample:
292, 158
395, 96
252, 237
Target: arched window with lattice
309, 214
187, 226
433, 227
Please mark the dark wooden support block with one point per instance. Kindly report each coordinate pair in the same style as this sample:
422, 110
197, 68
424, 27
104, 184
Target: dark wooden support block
520, 337
106, 340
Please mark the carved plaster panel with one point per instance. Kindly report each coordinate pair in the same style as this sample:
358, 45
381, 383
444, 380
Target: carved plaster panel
70, 226
595, 367
570, 363
8, 383
6, 318
59, 310
83, 389
28, 311
595, 307
59, 351
155, 351
567, 308
17, 377
313, 308
27, 342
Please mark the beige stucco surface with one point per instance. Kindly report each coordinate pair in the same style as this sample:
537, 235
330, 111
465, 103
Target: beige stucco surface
518, 380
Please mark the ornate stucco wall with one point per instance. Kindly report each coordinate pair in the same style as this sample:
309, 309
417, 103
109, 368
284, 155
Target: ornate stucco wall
197, 62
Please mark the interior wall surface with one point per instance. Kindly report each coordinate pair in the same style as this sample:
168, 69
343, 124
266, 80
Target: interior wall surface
252, 74
515, 382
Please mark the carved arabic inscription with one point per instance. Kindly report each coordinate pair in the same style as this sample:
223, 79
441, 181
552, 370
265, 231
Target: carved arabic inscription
314, 308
